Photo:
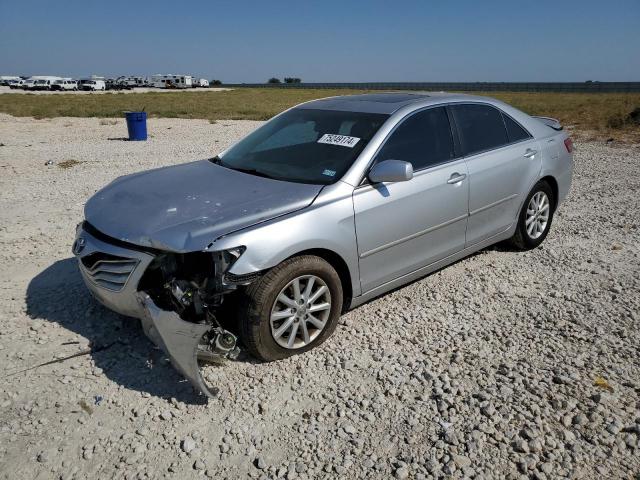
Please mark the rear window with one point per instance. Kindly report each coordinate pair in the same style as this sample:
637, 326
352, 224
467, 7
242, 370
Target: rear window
515, 131
481, 127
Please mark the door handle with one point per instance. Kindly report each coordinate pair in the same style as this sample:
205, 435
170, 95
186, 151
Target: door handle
530, 153
456, 178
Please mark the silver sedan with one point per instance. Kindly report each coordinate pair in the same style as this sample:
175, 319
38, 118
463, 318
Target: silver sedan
327, 205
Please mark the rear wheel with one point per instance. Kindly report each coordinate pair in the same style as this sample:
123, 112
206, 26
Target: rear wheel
535, 218
292, 309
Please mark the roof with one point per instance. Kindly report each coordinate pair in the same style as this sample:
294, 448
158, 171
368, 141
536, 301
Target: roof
386, 103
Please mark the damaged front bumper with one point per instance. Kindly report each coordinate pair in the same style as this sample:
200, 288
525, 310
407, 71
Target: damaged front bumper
113, 275
187, 344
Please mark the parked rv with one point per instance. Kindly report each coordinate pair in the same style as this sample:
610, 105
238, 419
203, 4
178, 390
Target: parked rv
92, 85
171, 81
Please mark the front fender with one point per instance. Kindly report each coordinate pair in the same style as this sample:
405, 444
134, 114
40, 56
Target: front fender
327, 224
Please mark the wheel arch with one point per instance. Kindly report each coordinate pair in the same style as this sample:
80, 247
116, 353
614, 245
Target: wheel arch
340, 266
553, 183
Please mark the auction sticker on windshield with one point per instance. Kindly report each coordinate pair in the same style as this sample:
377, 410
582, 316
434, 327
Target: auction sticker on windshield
342, 140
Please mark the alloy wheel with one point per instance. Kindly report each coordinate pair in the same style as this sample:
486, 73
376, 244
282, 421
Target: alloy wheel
537, 215
300, 312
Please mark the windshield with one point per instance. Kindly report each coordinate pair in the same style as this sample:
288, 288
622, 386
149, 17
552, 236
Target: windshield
304, 145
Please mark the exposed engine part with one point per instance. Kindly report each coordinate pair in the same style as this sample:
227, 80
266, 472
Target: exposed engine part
187, 343
187, 295
193, 284
218, 344
181, 294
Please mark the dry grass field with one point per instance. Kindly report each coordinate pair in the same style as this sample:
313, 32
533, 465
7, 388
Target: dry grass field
591, 116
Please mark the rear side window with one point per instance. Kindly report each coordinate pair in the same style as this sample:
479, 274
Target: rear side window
424, 139
481, 127
515, 132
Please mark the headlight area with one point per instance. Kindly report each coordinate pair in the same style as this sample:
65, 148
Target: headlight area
181, 294
193, 284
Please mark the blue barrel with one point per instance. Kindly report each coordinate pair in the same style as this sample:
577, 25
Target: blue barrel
137, 125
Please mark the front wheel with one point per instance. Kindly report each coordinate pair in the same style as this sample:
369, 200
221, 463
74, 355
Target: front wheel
535, 218
292, 309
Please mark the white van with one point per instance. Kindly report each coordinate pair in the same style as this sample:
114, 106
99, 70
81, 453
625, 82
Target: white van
92, 85
13, 84
28, 84
64, 85
44, 82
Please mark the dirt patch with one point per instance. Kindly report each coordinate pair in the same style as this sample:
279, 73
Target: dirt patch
69, 163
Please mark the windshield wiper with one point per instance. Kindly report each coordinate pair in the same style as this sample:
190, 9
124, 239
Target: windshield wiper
251, 171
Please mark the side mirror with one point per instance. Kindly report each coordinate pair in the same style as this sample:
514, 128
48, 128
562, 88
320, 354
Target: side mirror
391, 171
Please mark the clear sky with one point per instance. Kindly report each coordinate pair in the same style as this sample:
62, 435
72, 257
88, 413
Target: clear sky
325, 41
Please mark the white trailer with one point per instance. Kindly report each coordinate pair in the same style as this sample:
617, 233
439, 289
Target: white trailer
171, 81
200, 82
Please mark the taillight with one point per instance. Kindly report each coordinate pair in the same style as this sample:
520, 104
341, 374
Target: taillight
568, 144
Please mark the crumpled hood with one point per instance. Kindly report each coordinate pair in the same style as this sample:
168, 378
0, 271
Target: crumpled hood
184, 208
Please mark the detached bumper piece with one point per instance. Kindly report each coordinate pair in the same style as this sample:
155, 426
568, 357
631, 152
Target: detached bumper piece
187, 344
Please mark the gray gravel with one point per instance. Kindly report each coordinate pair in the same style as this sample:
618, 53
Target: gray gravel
506, 364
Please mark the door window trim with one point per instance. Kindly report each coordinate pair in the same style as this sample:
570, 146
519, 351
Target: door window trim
455, 134
502, 112
457, 150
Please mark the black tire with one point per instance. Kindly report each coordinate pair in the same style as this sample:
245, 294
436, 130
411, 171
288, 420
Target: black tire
259, 297
521, 238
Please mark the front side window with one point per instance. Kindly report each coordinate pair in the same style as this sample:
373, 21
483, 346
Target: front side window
481, 127
424, 139
304, 145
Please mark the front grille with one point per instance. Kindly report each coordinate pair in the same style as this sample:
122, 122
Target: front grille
244, 279
108, 271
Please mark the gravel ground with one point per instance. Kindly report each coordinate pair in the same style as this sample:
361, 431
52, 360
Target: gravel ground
506, 364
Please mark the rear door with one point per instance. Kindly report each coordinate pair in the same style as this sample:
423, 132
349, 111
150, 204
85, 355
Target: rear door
503, 161
404, 226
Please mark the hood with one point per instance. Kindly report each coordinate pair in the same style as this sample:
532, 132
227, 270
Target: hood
185, 207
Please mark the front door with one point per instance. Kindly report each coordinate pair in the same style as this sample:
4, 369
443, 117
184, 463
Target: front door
404, 226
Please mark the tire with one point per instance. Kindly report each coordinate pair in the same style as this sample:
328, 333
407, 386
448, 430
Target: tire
522, 238
261, 299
